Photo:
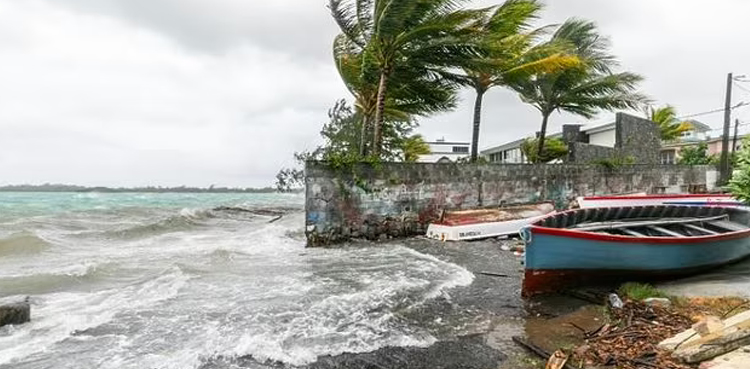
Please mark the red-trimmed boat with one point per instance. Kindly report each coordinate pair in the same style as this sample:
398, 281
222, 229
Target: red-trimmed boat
645, 200
591, 246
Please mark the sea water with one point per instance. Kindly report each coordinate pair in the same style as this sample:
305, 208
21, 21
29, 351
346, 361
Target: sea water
198, 281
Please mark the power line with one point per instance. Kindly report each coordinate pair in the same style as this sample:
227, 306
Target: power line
741, 87
742, 104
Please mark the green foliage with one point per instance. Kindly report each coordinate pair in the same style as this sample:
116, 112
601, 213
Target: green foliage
341, 148
413, 147
509, 54
696, 155
666, 118
615, 162
399, 53
554, 149
739, 185
639, 292
584, 90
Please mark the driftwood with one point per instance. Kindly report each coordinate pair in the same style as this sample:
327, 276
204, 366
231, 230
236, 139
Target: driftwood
537, 350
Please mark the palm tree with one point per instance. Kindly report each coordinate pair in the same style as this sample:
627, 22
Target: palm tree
413, 147
669, 125
584, 90
423, 37
509, 54
411, 93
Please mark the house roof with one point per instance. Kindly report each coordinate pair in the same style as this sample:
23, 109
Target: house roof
698, 126
517, 143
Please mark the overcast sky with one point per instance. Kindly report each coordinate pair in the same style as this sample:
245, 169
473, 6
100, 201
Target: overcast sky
201, 92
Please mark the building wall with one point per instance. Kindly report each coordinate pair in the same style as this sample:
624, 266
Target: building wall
606, 138
638, 138
397, 200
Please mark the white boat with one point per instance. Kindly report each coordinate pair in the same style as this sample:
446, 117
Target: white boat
647, 200
472, 225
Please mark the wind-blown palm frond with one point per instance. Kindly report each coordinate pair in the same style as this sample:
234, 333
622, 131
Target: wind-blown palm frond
403, 51
585, 89
509, 53
670, 126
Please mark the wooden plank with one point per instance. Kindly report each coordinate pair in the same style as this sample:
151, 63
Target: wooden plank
725, 224
632, 224
700, 229
666, 231
632, 232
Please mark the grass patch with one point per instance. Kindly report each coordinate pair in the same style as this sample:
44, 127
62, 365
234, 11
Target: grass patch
640, 291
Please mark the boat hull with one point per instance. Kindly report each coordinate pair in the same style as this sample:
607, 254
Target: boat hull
649, 200
472, 232
557, 261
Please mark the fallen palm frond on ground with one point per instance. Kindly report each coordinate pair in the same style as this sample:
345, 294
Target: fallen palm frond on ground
630, 340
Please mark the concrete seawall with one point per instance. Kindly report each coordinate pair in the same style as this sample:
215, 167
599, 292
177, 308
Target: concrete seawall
399, 200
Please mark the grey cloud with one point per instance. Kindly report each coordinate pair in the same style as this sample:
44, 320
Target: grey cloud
302, 29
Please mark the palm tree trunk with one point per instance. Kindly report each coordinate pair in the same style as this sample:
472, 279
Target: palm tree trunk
363, 135
542, 135
378, 129
477, 123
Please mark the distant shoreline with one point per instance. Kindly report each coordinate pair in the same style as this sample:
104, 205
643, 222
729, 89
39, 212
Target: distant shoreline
83, 189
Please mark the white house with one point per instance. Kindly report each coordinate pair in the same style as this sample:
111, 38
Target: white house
510, 153
444, 151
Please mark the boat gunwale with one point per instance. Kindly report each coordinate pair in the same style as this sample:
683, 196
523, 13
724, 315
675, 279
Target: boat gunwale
655, 197
596, 236
447, 223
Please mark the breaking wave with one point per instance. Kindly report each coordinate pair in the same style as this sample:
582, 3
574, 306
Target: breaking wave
23, 243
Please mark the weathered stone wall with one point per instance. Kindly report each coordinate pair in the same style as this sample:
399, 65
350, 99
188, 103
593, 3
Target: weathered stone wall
398, 200
638, 138
584, 153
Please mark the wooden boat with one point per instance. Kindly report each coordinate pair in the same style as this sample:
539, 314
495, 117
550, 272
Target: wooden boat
588, 246
644, 200
471, 225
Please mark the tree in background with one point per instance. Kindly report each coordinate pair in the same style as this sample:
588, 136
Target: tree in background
414, 147
740, 182
583, 90
341, 137
669, 125
509, 54
397, 41
553, 150
696, 155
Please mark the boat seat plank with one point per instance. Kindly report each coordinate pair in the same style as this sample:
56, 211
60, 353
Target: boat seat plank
632, 232
731, 226
700, 229
666, 231
644, 223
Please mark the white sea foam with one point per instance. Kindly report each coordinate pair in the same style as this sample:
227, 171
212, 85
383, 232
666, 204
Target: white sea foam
230, 287
57, 316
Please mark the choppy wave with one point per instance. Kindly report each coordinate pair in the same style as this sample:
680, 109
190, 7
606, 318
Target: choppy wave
364, 319
22, 243
59, 279
188, 219
60, 316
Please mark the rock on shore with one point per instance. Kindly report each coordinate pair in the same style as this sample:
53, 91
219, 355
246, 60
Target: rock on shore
15, 313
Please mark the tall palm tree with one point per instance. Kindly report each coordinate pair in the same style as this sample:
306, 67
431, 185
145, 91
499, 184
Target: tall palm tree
422, 36
584, 90
669, 125
411, 92
509, 54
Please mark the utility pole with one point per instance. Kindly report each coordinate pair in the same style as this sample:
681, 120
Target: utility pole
724, 168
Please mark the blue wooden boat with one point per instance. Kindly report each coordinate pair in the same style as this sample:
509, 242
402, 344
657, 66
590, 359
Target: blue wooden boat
591, 246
